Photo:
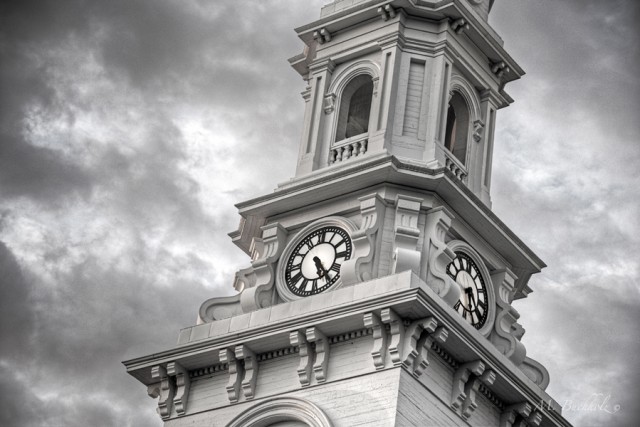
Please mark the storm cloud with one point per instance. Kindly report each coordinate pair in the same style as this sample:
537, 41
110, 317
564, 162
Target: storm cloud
128, 130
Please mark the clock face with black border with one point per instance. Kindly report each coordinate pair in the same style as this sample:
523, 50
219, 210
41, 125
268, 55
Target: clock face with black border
314, 264
473, 304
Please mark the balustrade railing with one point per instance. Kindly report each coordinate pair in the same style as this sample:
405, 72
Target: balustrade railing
348, 148
457, 169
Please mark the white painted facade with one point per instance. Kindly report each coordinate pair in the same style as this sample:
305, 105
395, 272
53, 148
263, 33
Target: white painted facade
384, 346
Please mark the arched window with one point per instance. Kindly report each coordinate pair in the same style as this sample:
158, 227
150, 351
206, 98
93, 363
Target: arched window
355, 107
282, 412
457, 129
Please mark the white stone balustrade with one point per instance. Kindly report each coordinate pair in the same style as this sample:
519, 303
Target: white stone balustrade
456, 168
352, 147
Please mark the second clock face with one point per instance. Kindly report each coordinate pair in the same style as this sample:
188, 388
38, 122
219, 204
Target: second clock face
314, 265
473, 303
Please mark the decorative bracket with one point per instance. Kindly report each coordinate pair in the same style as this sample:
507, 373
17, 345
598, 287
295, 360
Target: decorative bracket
461, 378
256, 282
439, 255
478, 128
419, 337
386, 12
235, 374
164, 390
411, 351
379, 350
506, 332
396, 328
250, 370
499, 68
407, 255
183, 384
488, 377
535, 419
267, 251
329, 103
515, 415
422, 362
535, 372
459, 26
304, 368
322, 36
322, 353
359, 267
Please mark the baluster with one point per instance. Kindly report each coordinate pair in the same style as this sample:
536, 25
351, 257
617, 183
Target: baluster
341, 154
363, 146
347, 150
332, 156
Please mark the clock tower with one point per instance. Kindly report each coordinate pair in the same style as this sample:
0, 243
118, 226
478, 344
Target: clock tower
379, 283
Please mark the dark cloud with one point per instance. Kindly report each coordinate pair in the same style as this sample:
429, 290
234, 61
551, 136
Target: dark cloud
129, 129
16, 306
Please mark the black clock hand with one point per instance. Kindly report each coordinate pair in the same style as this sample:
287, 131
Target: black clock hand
469, 292
320, 270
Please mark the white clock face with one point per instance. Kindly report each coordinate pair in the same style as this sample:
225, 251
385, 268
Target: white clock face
473, 303
314, 264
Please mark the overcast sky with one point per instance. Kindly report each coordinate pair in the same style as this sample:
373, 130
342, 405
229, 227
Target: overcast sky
130, 128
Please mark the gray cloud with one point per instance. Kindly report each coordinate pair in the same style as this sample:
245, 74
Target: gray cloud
566, 181
129, 129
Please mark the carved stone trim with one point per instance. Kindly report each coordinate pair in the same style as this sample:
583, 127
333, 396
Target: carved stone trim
268, 250
183, 384
506, 331
535, 372
396, 329
235, 374
426, 341
164, 390
348, 336
379, 351
478, 128
439, 255
250, 370
419, 338
499, 68
459, 26
255, 282
461, 378
209, 370
514, 414
359, 267
488, 377
535, 418
322, 347
274, 354
278, 409
329, 103
407, 234
322, 36
386, 12
219, 308
411, 350
296, 338
444, 355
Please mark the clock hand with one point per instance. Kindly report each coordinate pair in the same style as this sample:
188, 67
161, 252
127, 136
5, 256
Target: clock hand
469, 293
320, 270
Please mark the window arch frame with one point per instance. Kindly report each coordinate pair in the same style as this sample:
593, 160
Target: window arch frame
334, 95
351, 92
281, 409
468, 94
